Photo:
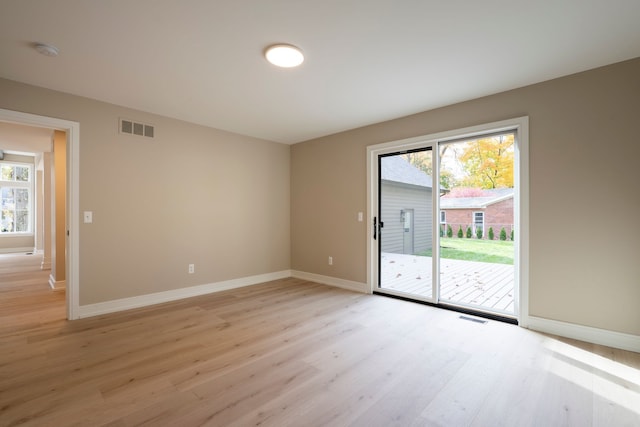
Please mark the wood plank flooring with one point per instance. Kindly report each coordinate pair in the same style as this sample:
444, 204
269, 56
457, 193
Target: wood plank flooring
294, 353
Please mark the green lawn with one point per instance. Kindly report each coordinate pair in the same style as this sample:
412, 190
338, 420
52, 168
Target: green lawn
494, 251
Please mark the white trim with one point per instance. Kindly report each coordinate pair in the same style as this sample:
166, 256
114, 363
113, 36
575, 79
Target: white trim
45, 264
16, 250
475, 227
60, 284
176, 294
521, 220
332, 281
521, 196
72, 130
586, 333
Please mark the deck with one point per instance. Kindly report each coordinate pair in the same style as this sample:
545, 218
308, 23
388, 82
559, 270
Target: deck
478, 284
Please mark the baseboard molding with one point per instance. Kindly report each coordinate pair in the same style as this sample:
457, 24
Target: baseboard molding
57, 285
176, 294
46, 263
331, 281
16, 250
585, 333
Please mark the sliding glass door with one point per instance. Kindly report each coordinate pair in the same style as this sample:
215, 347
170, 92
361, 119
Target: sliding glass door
476, 256
445, 222
405, 226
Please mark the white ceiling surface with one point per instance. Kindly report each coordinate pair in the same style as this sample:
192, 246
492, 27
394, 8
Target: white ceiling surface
366, 60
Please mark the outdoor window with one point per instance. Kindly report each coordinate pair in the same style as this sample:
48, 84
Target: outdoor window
478, 221
15, 197
443, 217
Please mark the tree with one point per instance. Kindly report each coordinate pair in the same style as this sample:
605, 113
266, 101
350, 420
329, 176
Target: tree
460, 232
449, 231
503, 234
423, 160
469, 233
479, 232
491, 234
489, 162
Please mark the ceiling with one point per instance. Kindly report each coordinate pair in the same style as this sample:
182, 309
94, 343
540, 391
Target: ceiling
367, 61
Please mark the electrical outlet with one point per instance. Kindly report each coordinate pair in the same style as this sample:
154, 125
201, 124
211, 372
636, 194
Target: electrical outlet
192, 268
330, 260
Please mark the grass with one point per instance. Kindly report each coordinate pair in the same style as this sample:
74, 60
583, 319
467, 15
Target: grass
493, 251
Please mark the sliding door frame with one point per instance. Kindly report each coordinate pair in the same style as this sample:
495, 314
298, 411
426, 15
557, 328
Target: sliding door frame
434, 224
521, 199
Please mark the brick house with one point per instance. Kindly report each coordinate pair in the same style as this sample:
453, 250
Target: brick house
489, 209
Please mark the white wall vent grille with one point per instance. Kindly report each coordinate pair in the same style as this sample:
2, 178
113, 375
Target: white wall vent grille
134, 128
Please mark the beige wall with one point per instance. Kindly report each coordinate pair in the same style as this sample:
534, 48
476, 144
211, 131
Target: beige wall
190, 195
59, 203
222, 201
45, 210
584, 175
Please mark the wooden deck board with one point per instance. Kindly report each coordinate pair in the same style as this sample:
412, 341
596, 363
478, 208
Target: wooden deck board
478, 284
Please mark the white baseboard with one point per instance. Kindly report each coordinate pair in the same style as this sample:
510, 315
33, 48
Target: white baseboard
57, 285
16, 250
331, 281
585, 333
46, 263
176, 294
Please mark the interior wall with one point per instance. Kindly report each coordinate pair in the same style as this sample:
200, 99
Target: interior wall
46, 210
59, 210
584, 200
191, 195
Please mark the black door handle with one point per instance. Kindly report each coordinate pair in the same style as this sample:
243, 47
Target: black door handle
375, 227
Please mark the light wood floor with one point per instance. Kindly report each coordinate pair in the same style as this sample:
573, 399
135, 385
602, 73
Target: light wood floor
294, 353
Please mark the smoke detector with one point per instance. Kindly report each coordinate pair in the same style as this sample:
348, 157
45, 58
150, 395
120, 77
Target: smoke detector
46, 49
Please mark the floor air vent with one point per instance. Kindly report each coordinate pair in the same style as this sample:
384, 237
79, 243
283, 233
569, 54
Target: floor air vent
134, 128
473, 319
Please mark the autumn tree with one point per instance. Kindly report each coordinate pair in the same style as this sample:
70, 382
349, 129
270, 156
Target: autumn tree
488, 162
423, 160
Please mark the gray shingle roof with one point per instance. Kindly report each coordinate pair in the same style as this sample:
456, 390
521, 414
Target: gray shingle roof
397, 169
491, 196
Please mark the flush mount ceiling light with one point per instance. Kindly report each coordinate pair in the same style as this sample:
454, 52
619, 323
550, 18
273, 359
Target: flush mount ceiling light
284, 55
46, 49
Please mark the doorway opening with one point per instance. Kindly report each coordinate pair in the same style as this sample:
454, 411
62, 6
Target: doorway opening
449, 219
69, 230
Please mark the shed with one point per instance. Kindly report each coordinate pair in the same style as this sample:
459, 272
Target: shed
406, 207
